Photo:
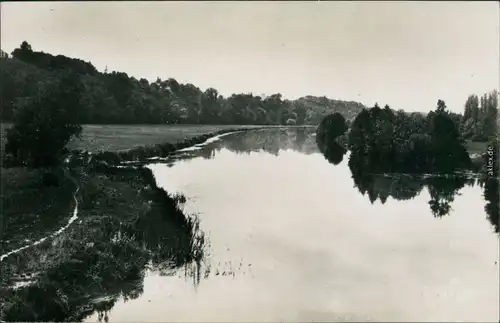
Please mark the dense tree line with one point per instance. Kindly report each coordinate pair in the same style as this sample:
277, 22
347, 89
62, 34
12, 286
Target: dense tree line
117, 98
26, 54
392, 142
479, 122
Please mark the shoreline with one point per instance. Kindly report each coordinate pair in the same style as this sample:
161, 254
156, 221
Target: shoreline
90, 263
144, 153
199, 141
118, 206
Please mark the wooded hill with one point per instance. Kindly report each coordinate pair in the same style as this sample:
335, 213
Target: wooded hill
116, 98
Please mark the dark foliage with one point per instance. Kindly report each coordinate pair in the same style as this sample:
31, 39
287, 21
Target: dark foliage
330, 128
408, 143
40, 59
116, 98
50, 179
491, 194
44, 124
480, 119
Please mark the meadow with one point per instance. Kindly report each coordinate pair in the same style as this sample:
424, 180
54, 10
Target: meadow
114, 138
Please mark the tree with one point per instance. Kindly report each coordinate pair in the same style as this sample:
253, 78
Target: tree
332, 126
209, 106
44, 124
471, 107
301, 113
447, 145
25, 47
479, 122
24, 52
490, 114
327, 134
441, 107
360, 132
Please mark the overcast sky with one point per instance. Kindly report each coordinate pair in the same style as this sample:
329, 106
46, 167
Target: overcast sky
404, 54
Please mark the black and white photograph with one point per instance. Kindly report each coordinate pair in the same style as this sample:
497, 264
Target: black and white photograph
249, 161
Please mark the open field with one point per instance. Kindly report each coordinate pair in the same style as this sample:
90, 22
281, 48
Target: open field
474, 147
122, 137
117, 137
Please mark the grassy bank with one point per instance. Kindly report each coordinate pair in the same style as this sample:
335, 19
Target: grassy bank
34, 203
125, 224
141, 154
114, 138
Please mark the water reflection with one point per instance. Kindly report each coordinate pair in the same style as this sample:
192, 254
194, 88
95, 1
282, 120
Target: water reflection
319, 250
491, 195
442, 188
270, 141
154, 248
333, 152
103, 309
443, 191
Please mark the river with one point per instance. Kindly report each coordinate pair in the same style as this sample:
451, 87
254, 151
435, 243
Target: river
290, 237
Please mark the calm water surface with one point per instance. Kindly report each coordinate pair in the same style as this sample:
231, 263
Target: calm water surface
290, 238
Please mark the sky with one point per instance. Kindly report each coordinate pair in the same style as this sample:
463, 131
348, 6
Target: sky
405, 54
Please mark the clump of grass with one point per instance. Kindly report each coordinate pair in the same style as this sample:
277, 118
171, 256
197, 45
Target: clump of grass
127, 222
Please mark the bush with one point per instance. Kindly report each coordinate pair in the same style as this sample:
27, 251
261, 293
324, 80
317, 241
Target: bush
44, 124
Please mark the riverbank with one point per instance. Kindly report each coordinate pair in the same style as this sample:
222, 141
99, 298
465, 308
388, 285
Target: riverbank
142, 154
125, 224
34, 203
34, 207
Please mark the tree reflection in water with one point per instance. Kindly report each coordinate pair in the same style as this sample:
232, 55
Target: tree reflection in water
368, 176
491, 195
442, 188
91, 278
